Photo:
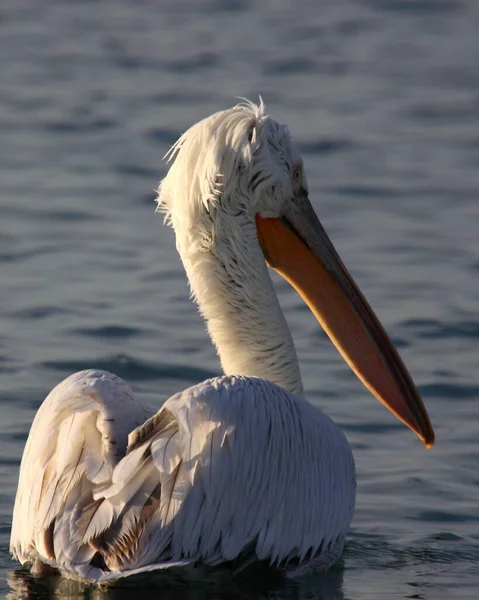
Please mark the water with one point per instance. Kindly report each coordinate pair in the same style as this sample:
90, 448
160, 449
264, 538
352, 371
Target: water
383, 98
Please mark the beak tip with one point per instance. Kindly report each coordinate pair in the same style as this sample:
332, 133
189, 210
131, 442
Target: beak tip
429, 439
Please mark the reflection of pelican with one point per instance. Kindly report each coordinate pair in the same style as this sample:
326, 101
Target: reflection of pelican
241, 467
184, 584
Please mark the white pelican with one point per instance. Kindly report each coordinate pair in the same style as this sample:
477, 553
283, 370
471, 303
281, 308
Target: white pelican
239, 468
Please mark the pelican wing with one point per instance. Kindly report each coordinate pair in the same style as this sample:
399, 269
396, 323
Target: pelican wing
234, 469
78, 436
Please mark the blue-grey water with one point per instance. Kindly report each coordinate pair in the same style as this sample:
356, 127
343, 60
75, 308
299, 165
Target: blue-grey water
383, 98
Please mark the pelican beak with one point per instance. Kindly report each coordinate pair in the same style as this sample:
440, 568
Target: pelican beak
298, 248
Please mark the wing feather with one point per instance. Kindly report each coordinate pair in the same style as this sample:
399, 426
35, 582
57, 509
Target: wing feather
243, 468
79, 434
231, 470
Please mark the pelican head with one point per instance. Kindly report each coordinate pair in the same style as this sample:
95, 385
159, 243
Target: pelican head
237, 198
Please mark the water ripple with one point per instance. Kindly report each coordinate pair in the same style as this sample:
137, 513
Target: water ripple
108, 331
450, 391
435, 329
132, 369
326, 146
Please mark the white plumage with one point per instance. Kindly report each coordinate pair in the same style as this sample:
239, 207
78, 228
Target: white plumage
217, 474
236, 469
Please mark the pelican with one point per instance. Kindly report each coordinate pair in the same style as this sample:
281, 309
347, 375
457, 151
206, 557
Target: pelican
240, 468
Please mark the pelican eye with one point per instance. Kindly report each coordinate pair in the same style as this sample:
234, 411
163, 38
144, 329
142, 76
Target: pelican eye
296, 174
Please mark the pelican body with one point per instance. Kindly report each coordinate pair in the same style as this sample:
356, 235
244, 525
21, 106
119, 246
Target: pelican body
240, 468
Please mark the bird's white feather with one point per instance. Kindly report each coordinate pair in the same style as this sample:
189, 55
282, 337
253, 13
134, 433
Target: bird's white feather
237, 468
229, 465
79, 434
227, 168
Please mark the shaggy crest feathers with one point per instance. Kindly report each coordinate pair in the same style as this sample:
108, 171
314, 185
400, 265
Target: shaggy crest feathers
240, 151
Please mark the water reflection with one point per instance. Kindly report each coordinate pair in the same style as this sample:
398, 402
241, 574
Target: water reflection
182, 584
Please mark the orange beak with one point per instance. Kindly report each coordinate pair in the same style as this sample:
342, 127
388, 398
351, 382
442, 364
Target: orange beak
297, 247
